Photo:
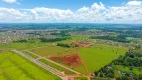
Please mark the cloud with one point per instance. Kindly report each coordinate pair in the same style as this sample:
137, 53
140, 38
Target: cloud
92, 14
11, 1
51, 15
134, 3
9, 15
130, 12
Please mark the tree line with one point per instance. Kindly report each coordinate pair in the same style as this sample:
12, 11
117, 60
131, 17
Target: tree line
52, 40
113, 38
21, 41
132, 59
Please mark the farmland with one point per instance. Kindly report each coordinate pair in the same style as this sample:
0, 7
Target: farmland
13, 66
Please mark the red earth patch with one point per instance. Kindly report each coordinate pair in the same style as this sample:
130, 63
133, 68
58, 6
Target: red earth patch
71, 60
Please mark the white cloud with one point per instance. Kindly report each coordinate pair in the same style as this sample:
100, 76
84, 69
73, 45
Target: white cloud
48, 14
134, 3
130, 12
96, 6
9, 15
10, 1
92, 14
83, 9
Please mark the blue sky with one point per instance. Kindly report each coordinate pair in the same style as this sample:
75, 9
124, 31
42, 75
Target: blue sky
61, 4
71, 11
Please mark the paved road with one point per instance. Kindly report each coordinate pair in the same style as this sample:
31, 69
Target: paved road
41, 64
54, 62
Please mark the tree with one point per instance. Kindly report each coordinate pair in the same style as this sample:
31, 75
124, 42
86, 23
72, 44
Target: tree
63, 45
125, 77
140, 76
118, 78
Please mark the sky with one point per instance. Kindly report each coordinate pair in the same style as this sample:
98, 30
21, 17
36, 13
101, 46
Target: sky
71, 11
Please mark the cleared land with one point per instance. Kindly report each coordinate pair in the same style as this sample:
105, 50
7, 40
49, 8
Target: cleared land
14, 67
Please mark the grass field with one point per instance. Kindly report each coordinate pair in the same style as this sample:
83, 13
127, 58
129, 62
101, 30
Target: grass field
53, 51
100, 55
14, 67
75, 38
122, 68
21, 46
56, 67
95, 57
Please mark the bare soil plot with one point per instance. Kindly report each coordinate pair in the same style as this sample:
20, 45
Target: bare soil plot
71, 60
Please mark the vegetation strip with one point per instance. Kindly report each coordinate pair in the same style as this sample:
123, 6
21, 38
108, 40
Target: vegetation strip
5, 74
23, 70
46, 67
54, 63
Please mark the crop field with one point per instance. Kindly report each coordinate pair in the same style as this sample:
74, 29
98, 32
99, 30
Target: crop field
15, 67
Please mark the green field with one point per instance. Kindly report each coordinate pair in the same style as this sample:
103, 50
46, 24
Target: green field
75, 38
15, 67
53, 51
100, 55
122, 68
21, 46
95, 57
56, 67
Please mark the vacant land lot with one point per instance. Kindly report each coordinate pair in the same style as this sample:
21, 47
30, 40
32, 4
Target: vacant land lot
14, 67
